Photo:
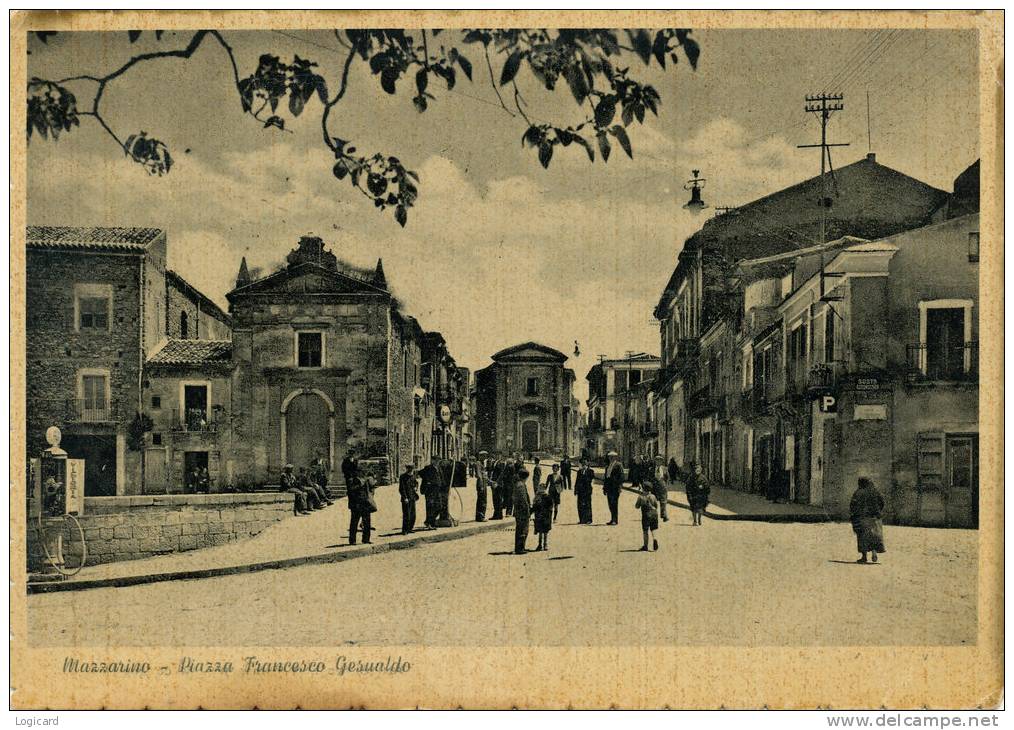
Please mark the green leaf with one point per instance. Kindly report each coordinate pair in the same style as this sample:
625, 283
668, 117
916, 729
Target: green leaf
466, 66
587, 147
692, 50
604, 146
660, 46
387, 79
545, 153
642, 43
295, 104
421, 80
420, 103
510, 68
532, 136
401, 215
621, 136
577, 82
628, 114
605, 110
339, 170
133, 35
321, 86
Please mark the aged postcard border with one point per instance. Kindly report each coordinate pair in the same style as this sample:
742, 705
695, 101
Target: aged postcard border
677, 677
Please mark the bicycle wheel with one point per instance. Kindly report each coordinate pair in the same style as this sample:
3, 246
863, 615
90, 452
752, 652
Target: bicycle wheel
75, 549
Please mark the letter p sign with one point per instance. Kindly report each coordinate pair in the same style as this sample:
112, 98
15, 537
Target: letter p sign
828, 404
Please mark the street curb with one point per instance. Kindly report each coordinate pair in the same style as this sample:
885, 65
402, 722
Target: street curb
359, 551
775, 518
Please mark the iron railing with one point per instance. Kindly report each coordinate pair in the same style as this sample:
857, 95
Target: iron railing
931, 362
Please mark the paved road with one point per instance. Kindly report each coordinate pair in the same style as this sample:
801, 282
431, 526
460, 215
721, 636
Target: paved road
725, 583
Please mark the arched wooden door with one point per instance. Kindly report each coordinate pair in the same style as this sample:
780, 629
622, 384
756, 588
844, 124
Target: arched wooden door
307, 430
530, 435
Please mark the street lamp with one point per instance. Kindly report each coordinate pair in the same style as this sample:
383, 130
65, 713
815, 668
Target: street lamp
695, 204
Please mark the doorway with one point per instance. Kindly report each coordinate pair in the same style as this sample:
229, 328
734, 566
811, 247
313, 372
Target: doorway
99, 453
195, 467
529, 435
307, 430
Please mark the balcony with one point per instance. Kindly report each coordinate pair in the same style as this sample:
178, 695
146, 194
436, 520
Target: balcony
822, 376
958, 363
70, 410
702, 402
193, 420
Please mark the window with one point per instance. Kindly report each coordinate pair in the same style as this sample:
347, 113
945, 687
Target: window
620, 379
532, 387
310, 349
973, 247
156, 402
196, 397
156, 439
183, 325
635, 377
93, 391
796, 353
93, 313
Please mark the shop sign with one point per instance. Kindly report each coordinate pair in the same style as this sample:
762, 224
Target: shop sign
870, 412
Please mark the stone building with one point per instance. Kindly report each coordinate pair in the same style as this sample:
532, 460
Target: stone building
100, 303
871, 201
324, 361
524, 402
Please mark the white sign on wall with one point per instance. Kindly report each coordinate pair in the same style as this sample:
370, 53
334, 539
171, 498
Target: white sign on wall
870, 412
75, 486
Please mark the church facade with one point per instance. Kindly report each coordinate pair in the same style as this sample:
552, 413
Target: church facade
524, 402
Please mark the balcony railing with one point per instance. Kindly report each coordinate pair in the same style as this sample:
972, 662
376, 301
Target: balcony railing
821, 377
73, 410
702, 402
955, 363
193, 420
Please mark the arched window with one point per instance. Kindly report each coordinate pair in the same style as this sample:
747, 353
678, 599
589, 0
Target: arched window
183, 325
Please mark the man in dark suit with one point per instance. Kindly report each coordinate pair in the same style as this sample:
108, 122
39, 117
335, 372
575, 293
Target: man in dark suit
496, 474
430, 476
350, 466
565, 467
613, 485
583, 490
409, 496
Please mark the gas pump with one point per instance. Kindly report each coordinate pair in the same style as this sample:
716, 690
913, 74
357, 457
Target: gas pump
55, 500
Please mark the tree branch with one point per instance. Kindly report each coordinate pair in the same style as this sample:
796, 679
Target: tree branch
338, 97
492, 82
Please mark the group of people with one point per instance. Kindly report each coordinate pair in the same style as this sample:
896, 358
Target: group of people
433, 482
309, 486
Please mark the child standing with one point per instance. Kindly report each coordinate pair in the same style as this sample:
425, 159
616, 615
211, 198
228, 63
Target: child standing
648, 504
543, 509
554, 483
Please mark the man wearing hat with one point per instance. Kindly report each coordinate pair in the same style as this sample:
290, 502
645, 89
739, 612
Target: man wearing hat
613, 484
481, 488
289, 486
583, 490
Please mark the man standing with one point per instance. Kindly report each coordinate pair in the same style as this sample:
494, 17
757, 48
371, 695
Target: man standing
522, 511
507, 486
495, 474
431, 491
660, 487
613, 485
480, 488
583, 490
409, 496
536, 474
350, 466
447, 469
565, 467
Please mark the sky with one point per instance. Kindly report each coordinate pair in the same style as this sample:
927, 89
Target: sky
497, 250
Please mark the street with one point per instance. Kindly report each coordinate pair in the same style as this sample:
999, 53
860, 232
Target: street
724, 583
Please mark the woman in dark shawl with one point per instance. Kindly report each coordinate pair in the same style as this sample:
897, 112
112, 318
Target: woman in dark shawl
698, 491
866, 511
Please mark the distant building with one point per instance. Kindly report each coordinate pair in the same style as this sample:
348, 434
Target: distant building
608, 381
524, 402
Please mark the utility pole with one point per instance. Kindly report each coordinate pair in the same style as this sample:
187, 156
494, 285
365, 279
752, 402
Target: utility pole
824, 105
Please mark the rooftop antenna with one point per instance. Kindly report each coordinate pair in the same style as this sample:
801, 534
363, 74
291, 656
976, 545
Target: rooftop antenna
869, 134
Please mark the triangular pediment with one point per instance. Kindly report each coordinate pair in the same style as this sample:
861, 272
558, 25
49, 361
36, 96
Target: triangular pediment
307, 278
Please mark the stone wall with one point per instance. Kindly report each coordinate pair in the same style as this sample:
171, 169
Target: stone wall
127, 528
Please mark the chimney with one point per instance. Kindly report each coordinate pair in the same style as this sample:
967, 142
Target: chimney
871, 156
379, 279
